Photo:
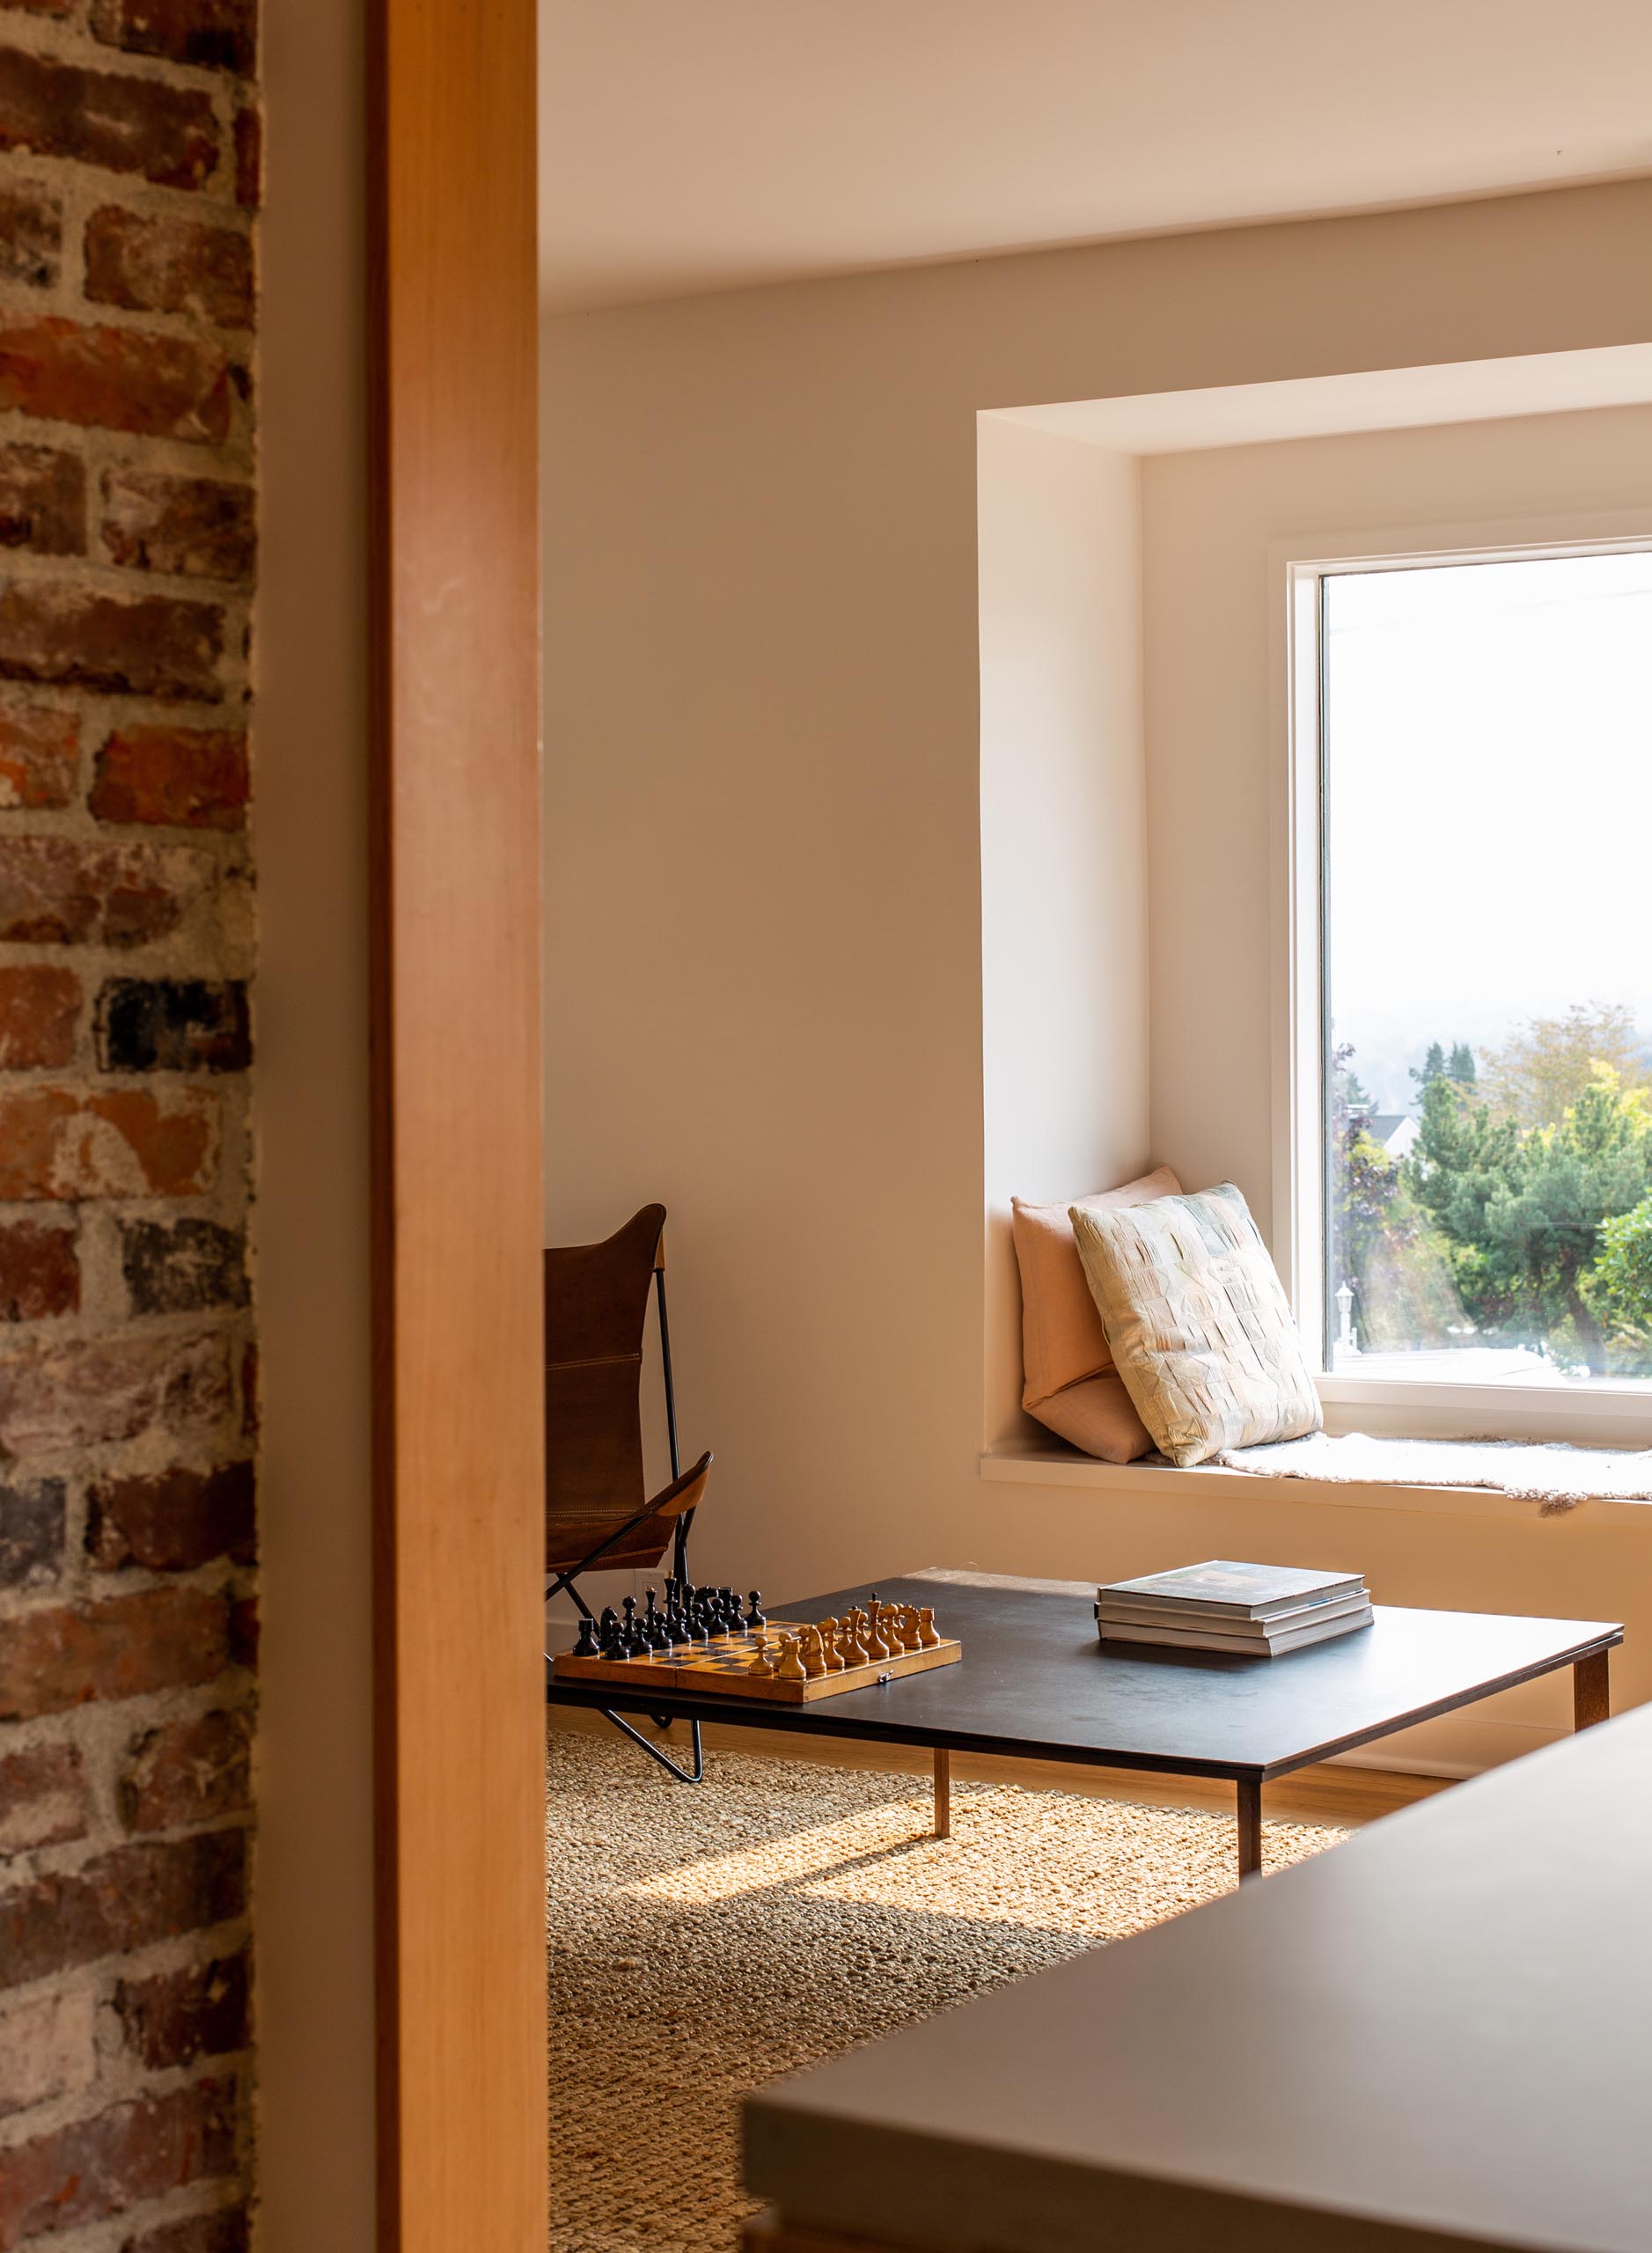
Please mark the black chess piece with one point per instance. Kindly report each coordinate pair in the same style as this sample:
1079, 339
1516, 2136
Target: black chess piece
587, 1646
610, 1634
754, 1618
653, 1630
635, 1643
732, 1621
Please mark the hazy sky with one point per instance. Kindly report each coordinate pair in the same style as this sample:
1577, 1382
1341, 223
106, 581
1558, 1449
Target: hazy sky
1489, 750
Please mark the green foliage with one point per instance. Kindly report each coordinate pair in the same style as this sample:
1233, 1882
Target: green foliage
1619, 1285
1545, 1067
1461, 1067
1522, 1210
1381, 1243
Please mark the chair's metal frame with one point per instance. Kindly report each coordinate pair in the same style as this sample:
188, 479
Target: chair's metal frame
564, 1580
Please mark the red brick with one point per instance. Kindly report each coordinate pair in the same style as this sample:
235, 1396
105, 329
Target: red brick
187, 1771
180, 2016
220, 35
180, 778
31, 234
169, 266
38, 748
40, 1272
58, 1145
126, 1900
98, 2167
112, 119
172, 1522
43, 500
91, 1392
189, 1266
173, 1025
58, 891
129, 1648
46, 2049
72, 637
32, 1519
249, 158
226, 2229
116, 378
194, 527
40, 1013
42, 1798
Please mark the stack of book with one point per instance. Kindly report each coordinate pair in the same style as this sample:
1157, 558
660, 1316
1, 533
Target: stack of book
1260, 1610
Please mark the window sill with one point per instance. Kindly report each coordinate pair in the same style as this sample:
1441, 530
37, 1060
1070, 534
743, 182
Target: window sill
1061, 1466
1603, 1415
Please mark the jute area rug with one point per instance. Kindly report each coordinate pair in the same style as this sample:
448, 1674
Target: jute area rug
704, 1942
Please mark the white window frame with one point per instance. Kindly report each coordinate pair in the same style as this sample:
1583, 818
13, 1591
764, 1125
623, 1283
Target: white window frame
1601, 1414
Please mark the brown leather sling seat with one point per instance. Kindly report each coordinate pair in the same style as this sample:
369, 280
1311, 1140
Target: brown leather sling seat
597, 1515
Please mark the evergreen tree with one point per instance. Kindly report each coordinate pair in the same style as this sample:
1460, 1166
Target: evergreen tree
1524, 1210
1619, 1287
1433, 1066
1461, 1067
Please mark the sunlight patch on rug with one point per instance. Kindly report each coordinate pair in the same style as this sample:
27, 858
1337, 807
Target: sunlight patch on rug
706, 1941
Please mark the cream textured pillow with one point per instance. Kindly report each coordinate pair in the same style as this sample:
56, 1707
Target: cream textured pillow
1199, 1323
1070, 1384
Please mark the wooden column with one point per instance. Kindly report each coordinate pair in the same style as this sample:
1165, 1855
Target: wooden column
457, 1161
942, 1792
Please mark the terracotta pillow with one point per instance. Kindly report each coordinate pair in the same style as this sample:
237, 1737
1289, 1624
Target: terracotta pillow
1063, 1344
1097, 1415
1201, 1329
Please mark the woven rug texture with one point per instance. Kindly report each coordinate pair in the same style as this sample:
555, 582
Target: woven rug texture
704, 1942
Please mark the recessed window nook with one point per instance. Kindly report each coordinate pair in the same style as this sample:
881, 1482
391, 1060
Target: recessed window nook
1150, 578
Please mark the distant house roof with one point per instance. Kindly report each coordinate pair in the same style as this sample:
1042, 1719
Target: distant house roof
1395, 1130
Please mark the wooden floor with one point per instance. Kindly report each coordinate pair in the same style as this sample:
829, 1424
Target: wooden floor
1329, 1793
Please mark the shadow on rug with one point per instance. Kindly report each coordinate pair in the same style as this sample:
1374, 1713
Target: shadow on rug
705, 1942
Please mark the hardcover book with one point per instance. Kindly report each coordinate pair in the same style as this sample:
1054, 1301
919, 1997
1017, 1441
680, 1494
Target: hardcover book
1120, 1612
1213, 1639
1222, 1587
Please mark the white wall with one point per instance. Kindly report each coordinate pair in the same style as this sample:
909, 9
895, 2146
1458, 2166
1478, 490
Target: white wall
1063, 830
1214, 751
763, 808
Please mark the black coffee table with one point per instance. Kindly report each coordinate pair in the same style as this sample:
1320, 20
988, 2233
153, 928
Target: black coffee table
1035, 1683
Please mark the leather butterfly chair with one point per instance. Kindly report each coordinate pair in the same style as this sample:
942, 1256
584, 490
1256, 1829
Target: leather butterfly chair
598, 1514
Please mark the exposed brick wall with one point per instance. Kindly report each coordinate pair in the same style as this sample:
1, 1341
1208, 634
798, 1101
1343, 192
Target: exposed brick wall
129, 179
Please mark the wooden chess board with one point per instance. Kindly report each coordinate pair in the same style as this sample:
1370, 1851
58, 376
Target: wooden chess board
719, 1669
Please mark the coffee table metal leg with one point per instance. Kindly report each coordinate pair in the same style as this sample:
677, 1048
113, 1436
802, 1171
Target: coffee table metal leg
1592, 1690
942, 1792
1250, 1827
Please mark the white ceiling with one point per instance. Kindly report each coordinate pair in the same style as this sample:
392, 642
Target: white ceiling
1384, 399
702, 144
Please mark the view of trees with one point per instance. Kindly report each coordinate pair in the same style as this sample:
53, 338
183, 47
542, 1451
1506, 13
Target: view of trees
1522, 1214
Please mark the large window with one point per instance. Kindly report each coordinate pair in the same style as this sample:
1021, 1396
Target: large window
1484, 828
